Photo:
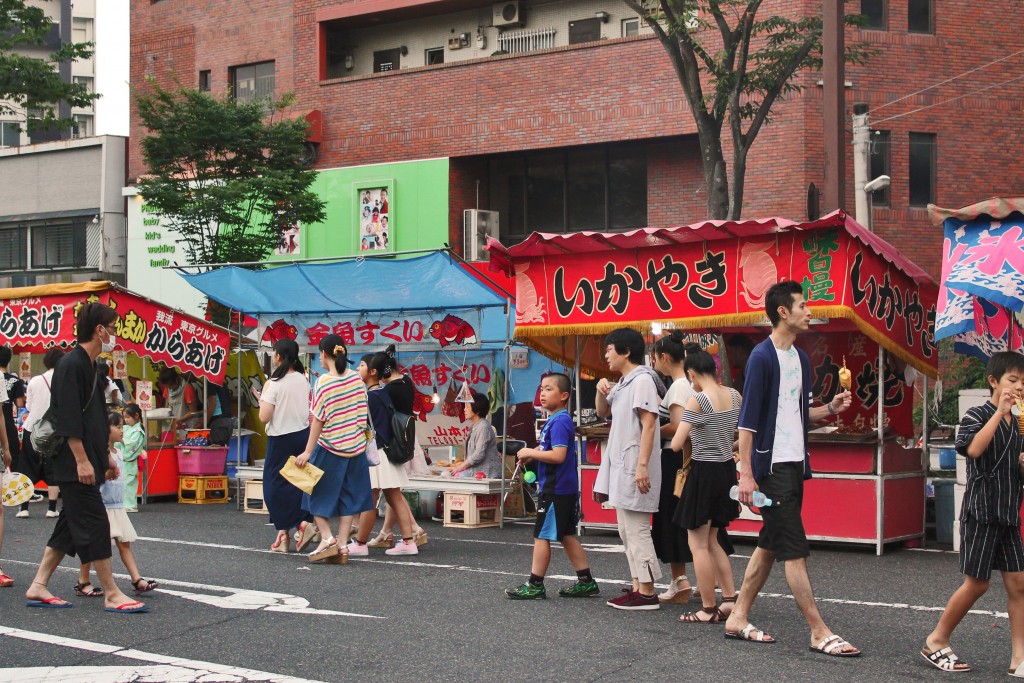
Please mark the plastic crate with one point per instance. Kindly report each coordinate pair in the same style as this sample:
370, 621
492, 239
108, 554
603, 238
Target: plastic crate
201, 460
202, 490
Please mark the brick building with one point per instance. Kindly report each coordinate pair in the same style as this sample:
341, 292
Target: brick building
567, 115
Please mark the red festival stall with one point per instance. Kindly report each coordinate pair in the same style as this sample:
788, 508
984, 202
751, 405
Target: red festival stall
33, 319
871, 306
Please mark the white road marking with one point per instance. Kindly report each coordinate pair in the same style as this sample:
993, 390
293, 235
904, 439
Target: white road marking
207, 670
112, 674
238, 598
498, 572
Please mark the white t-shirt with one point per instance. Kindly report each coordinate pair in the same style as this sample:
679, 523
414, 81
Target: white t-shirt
789, 427
37, 398
679, 392
290, 398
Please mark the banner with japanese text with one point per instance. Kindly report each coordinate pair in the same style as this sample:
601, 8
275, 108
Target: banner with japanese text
723, 283
443, 423
419, 331
828, 352
144, 328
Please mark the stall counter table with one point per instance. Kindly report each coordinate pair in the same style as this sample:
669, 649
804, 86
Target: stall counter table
859, 493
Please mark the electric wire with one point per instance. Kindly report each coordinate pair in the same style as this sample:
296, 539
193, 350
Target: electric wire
951, 99
948, 80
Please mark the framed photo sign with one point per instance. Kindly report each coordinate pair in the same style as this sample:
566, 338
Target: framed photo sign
374, 204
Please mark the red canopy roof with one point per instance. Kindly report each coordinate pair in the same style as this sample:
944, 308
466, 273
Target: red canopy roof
556, 244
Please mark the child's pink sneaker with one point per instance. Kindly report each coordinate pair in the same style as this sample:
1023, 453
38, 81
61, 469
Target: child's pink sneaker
403, 548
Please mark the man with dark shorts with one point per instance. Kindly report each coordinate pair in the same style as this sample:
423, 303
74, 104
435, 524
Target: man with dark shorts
80, 417
773, 427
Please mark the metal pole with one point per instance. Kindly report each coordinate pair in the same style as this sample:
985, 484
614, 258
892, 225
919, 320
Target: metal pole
880, 481
579, 419
861, 163
924, 452
206, 408
834, 76
504, 414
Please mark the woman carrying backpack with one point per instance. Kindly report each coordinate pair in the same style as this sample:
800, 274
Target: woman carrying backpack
386, 476
402, 394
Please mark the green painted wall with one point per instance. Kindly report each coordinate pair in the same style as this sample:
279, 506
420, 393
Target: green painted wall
418, 199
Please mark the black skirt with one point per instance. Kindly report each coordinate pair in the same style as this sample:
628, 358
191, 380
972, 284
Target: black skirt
670, 541
706, 496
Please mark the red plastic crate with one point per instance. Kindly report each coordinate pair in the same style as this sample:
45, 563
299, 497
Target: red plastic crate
203, 460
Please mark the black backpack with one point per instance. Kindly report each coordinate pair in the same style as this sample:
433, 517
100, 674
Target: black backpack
402, 446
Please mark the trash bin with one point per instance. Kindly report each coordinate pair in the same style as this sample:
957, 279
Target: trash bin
944, 512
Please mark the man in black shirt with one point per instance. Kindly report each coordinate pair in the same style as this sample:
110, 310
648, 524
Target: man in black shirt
82, 527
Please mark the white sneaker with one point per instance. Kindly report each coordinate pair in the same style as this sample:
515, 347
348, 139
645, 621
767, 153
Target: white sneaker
50, 514
22, 514
357, 549
403, 548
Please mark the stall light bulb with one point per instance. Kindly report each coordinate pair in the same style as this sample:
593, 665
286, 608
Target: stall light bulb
436, 398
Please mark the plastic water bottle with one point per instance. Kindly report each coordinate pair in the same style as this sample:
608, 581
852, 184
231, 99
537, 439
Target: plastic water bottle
760, 500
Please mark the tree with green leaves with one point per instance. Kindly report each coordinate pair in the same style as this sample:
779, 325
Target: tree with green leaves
33, 83
734, 64
229, 176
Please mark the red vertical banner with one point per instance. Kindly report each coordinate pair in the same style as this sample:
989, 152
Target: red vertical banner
828, 352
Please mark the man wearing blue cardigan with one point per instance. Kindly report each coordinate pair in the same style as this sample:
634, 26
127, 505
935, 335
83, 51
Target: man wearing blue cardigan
773, 427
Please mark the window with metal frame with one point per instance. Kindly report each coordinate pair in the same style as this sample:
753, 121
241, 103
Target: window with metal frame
874, 13
880, 164
922, 168
59, 245
13, 248
253, 82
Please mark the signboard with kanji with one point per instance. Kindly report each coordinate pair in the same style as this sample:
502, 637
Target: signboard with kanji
421, 331
723, 283
34, 323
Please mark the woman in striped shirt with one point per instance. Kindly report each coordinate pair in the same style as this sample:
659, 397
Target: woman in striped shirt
338, 437
709, 420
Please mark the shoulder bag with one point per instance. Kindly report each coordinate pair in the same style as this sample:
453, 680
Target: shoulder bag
45, 440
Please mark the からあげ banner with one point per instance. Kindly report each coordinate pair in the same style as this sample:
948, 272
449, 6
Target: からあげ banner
37, 322
723, 283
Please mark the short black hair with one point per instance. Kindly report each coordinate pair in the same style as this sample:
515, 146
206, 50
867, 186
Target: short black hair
1003, 362
781, 294
562, 381
52, 357
627, 342
90, 316
114, 419
5, 356
481, 404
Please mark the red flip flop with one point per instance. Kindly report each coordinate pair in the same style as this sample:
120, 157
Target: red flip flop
6, 581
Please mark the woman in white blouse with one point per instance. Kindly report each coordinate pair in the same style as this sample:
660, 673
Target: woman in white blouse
284, 409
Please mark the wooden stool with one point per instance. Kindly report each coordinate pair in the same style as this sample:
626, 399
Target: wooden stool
254, 497
196, 490
471, 510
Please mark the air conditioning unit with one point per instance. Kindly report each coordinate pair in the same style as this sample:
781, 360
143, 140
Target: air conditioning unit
506, 14
477, 226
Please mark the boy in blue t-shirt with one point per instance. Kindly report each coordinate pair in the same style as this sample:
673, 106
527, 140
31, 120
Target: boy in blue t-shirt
558, 508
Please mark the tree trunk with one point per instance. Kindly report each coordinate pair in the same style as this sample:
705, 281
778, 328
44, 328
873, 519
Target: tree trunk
716, 178
739, 172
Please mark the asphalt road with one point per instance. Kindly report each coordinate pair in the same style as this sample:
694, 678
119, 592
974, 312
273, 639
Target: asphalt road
227, 603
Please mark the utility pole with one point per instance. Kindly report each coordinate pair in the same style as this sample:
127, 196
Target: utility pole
834, 75
861, 162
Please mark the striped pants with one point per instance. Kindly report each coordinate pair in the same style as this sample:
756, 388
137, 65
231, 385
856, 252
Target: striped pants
987, 546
